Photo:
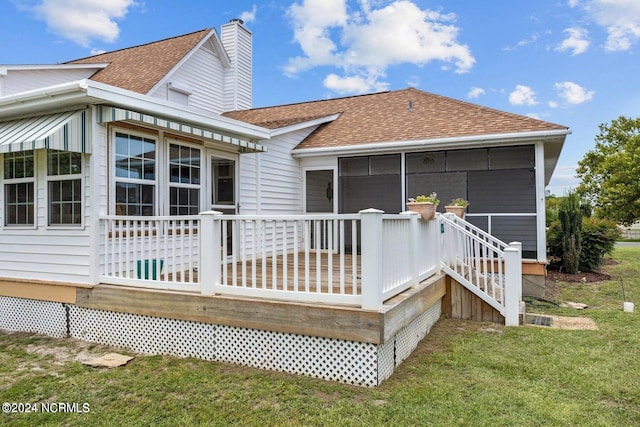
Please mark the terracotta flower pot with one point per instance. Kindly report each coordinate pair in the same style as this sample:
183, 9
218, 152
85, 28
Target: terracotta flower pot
426, 209
457, 210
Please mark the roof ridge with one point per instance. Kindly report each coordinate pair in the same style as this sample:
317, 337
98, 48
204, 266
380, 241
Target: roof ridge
139, 46
317, 101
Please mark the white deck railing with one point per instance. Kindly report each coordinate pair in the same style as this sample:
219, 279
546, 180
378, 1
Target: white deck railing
152, 252
357, 259
487, 266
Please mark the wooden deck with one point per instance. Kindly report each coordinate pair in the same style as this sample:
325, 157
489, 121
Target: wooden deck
321, 320
309, 275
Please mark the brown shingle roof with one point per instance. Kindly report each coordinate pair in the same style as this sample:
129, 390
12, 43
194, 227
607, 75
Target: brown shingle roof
140, 68
386, 117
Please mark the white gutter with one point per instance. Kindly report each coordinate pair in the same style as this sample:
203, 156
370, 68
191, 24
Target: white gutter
145, 104
434, 143
90, 92
53, 66
304, 125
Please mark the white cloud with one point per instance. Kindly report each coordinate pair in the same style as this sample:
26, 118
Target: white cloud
248, 17
81, 20
573, 93
365, 42
553, 104
523, 95
475, 92
577, 42
621, 19
353, 84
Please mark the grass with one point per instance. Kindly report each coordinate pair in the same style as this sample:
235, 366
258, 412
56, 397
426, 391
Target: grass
462, 374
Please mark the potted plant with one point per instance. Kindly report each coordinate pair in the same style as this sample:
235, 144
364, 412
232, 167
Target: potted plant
425, 205
457, 207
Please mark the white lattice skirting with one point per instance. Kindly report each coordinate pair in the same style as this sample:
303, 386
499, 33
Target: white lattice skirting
331, 359
27, 315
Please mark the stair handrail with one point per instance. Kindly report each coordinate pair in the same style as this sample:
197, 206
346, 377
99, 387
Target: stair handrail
479, 274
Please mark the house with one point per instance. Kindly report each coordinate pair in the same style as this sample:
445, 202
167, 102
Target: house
380, 149
144, 204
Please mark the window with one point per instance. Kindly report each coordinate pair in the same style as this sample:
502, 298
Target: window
64, 187
19, 188
184, 180
135, 175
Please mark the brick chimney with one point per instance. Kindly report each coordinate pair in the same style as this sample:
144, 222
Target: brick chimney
237, 41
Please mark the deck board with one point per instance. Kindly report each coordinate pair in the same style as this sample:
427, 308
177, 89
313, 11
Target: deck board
304, 280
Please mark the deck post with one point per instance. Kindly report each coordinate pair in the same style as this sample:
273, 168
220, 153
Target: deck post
210, 254
512, 284
372, 258
437, 241
412, 246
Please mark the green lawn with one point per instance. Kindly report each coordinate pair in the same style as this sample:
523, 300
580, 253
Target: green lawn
462, 374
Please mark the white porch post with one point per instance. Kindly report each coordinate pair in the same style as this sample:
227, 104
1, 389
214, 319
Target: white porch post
512, 283
412, 246
210, 254
372, 256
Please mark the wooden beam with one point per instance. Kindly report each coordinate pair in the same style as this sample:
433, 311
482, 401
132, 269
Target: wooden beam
346, 323
415, 302
54, 292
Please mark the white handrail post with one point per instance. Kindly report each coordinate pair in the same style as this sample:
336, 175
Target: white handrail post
512, 284
412, 245
372, 257
437, 240
210, 253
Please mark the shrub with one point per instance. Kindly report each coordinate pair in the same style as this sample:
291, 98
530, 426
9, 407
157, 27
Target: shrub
598, 238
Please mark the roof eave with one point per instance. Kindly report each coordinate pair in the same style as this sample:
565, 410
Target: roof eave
91, 92
304, 125
470, 141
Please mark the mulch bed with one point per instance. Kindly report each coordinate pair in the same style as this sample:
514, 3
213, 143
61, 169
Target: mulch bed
554, 274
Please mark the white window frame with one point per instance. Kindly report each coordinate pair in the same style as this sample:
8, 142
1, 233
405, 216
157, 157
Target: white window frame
115, 179
8, 181
68, 177
167, 174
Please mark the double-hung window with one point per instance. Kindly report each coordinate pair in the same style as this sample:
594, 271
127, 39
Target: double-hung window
184, 180
19, 176
135, 175
64, 185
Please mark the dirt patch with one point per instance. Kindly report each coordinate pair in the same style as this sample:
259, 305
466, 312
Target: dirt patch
567, 323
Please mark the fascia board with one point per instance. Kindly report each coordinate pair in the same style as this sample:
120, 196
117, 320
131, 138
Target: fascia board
144, 104
90, 92
304, 125
434, 143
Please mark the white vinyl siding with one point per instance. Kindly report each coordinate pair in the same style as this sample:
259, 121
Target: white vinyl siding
58, 254
202, 76
237, 42
274, 178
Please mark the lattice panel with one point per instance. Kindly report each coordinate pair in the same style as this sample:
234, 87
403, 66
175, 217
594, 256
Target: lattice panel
408, 338
330, 359
144, 334
386, 360
27, 315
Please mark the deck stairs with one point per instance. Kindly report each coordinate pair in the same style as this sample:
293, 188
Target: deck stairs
483, 264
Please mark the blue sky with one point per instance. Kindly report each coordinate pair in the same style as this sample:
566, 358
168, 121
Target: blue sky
571, 62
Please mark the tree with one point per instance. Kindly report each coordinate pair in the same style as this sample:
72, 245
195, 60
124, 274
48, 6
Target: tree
610, 173
570, 216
